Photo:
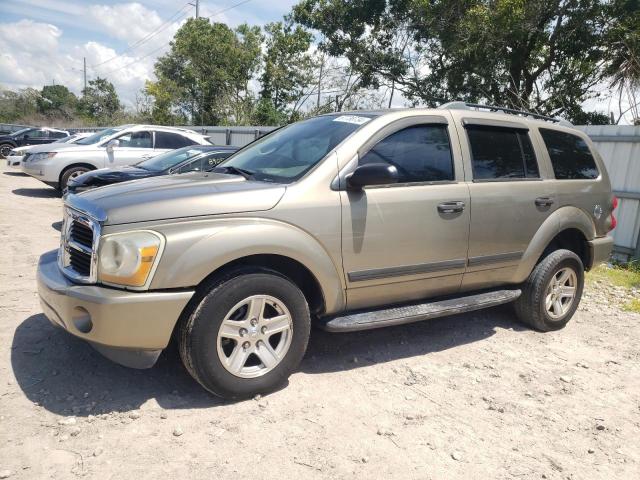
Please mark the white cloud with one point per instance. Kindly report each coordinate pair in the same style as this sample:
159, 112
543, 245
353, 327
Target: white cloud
125, 21
30, 36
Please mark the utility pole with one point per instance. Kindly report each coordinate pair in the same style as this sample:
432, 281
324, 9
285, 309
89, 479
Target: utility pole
84, 61
320, 83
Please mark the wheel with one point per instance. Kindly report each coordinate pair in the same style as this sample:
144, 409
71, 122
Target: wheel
70, 173
245, 333
551, 294
5, 148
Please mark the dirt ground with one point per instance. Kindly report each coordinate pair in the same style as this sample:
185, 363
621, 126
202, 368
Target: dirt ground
470, 396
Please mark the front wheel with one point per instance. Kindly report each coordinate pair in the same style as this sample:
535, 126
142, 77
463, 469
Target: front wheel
551, 294
5, 148
69, 174
246, 334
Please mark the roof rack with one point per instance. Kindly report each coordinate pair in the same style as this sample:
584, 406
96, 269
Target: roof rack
494, 108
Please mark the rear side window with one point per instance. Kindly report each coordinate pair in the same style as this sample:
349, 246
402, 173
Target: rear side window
570, 155
421, 153
501, 153
57, 135
172, 140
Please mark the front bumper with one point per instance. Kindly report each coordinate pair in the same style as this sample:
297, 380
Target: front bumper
599, 250
14, 161
130, 328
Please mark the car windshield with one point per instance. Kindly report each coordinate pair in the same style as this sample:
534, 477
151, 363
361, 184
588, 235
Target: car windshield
287, 154
70, 138
98, 136
21, 132
170, 159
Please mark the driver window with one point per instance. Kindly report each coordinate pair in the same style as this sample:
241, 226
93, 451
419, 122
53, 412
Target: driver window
136, 140
421, 153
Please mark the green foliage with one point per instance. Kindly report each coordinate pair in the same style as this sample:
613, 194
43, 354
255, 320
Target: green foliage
57, 100
541, 55
206, 74
288, 70
15, 106
100, 101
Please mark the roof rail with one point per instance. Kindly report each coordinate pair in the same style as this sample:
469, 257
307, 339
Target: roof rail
511, 111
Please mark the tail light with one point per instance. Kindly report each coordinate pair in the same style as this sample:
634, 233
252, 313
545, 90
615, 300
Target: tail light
614, 205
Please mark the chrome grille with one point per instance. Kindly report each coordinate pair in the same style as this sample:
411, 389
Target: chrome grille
78, 246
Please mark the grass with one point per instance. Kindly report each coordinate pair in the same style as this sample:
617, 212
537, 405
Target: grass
627, 276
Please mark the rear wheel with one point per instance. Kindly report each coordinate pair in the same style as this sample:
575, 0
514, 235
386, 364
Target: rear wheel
247, 333
551, 294
70, 173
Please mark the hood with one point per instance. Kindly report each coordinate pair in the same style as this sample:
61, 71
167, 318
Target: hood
26, 149
52, 147
179, 196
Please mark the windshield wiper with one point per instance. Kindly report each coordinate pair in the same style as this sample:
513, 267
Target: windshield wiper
235, 170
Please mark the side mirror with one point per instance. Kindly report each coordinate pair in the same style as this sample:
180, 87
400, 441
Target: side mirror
112, 144
372, 174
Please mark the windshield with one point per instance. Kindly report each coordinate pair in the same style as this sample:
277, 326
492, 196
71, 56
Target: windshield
70, 138
170, 159
21, 132
98, 136
287, 154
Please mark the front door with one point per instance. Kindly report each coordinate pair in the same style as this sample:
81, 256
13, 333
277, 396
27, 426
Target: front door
407, 240
133, 148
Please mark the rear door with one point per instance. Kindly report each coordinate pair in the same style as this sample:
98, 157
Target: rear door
38, 137
510, 198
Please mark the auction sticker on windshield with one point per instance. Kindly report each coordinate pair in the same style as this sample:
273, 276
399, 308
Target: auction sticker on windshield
352, 119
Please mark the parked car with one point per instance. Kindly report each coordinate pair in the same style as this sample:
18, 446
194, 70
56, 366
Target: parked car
357, 220
30, 136
14, 159
196, 158
118, 146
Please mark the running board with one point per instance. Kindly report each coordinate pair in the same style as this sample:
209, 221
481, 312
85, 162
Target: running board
415, 312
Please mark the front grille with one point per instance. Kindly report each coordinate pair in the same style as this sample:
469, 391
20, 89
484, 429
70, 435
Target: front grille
81, 233
78, 246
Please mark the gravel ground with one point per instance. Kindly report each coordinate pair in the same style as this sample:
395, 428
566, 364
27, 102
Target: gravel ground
470, 396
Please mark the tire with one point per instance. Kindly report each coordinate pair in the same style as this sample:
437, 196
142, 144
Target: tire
537, 306
212, 359
70, 173
5, 148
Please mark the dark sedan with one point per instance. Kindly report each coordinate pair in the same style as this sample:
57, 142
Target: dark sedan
194, 158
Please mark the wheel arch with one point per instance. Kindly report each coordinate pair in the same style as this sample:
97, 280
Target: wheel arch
567, 227
193, 256
74, 165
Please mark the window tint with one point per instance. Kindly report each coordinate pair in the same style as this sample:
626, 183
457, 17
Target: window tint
501, 153
172, 140
38, 134
421, 153
570, 155
135, 140
57, 135
193, 166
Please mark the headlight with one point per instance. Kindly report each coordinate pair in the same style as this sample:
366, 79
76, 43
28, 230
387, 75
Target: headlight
128, 258
38, 157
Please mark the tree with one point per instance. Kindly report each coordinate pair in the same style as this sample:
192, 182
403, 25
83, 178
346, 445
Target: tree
288, 70
100, 101
541, 55
206, 73
57, 101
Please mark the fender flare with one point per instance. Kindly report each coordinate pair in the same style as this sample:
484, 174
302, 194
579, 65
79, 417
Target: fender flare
563, 218
192, 254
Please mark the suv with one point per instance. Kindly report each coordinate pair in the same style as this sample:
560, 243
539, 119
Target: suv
356, 220
29, 136
112, 147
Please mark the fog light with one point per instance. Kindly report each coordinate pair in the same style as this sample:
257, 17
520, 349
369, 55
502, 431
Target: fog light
82, 319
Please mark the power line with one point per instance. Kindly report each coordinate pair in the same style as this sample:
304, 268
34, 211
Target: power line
170, 21
230, 7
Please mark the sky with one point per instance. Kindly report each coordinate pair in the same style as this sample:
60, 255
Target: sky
45, 41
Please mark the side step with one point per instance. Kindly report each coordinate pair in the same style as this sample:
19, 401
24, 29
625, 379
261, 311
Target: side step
415, 312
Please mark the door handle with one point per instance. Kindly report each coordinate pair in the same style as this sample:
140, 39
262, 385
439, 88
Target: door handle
451, 207
544, 201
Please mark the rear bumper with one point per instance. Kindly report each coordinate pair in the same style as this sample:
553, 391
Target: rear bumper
599, 251
130, 328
